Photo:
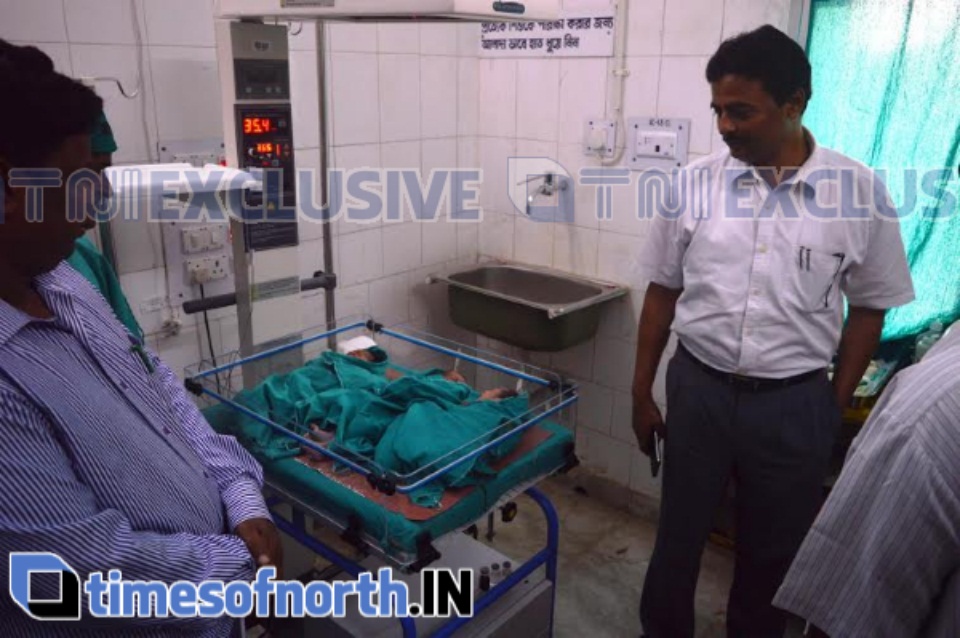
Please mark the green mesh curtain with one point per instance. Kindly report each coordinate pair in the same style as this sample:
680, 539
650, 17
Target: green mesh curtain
886, 90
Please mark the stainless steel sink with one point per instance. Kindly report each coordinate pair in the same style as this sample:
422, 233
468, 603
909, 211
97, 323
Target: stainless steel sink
533, 308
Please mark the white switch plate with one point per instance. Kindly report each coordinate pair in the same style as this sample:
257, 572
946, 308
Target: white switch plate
657, 142
608, 128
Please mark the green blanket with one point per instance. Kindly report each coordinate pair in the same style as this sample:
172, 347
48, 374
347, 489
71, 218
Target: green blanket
414, 424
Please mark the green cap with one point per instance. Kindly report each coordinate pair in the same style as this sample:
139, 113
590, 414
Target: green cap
102, 142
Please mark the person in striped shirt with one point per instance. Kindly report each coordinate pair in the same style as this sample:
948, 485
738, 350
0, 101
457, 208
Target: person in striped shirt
105, 459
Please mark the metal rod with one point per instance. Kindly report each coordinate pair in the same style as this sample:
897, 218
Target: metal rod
320, 280
488, 445
546, 556
329, 298
467, 357
301, 536
279, 349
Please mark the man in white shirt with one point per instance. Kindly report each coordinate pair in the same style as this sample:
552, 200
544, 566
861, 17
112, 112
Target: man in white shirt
751, 277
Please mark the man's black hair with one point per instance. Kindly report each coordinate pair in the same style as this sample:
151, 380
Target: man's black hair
767, 55
40, 108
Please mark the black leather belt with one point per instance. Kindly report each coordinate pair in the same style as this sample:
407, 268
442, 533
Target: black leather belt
751, 384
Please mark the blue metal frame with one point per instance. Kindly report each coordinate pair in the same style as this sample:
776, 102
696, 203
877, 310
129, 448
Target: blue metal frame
306, 442
547, 557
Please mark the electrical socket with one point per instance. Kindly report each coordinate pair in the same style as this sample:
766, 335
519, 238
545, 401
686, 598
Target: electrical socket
206, 269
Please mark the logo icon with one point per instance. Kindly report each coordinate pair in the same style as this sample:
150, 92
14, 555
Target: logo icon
31, 586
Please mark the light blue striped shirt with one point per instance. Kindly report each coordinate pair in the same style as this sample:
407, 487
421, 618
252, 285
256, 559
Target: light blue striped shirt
109, 465
882, 559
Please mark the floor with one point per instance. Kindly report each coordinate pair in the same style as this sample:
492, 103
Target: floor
603, 558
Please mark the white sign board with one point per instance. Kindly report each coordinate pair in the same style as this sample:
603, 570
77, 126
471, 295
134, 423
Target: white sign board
573, 35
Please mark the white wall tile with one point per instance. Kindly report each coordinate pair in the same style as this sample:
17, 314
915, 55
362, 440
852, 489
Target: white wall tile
496, 236
438, 95
313, 309
583, 86
187, 115
594, 407
350, 158
399, 37
618, 260
494, 156
124, 115
356, 98
641, 479
498, 98
575, 249
310, 253
640, 92
402, 156
400, 97
468, 240
745, 15
538, 85
438, 155
361, 257
33, 21
575, 362
621, 317
468, 39
613, 363
621, 424
402, 247
180, 22
356, 37
305, 38
692, 27
646, 27
468, 96
102, 21
140, 287
605, 456
180, 351
534, 242
684, 92
389, 299
439, 39
305, 100
352, 301
625, 218
309, 160
572, 158
439, 241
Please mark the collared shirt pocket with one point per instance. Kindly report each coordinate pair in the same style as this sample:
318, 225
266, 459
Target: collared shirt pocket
813, 278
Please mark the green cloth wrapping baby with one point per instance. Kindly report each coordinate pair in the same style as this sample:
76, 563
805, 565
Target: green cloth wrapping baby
401, 419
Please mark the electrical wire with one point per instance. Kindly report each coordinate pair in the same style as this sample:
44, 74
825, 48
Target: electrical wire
213, 357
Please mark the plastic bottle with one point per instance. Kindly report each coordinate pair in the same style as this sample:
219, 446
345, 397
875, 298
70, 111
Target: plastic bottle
495, 574
507, 569
484, 579
927, 340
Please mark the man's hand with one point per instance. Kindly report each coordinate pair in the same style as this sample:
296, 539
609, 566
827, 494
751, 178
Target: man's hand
647, 420
261, 537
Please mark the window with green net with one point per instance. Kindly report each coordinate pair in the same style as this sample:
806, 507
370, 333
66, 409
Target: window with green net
886, 91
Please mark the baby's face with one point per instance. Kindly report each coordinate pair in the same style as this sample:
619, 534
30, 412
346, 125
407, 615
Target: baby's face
363, 355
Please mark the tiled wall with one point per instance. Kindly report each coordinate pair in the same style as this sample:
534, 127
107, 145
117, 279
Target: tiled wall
537, 107
413, 95
394, 100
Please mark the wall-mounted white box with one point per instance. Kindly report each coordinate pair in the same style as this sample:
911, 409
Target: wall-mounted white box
657, 142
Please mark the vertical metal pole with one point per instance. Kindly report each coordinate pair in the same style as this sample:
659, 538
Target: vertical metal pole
328, 293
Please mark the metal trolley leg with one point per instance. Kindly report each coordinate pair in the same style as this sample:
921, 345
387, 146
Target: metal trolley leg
545, 557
